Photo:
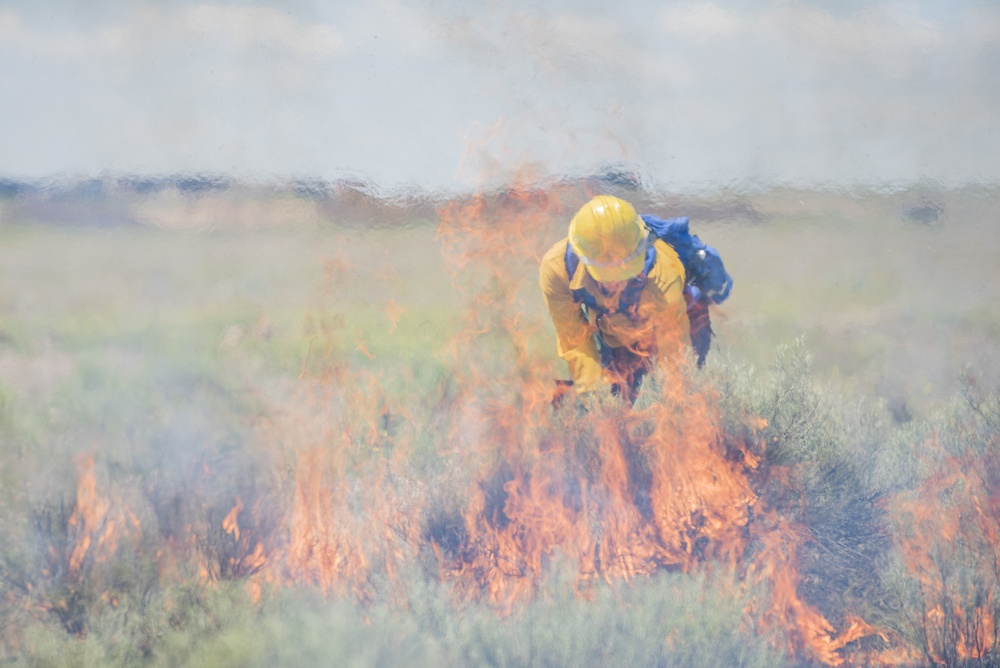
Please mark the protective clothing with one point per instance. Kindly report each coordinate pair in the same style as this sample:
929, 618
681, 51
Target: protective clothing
664, 276
609, 238
655, 324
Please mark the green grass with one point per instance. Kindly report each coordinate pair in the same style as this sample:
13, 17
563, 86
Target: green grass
671, 621
198, 368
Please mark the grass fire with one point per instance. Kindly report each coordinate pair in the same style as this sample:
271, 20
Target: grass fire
259, 445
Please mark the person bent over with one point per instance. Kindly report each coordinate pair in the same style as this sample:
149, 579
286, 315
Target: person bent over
616, 296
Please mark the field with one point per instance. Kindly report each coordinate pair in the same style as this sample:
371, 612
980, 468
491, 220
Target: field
253, 428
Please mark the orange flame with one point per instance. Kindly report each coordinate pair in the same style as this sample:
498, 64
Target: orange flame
948, 531
99, 526
230, 522
88, 514
658, 487
619, 493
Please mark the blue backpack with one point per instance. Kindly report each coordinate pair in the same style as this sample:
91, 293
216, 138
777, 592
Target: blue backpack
707, 279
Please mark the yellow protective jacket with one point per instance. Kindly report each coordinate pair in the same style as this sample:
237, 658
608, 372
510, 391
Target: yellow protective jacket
659, 325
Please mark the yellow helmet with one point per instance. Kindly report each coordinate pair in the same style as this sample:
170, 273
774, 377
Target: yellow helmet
610, 239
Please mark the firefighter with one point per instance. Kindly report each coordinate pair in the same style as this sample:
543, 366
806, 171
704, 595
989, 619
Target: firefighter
616, 294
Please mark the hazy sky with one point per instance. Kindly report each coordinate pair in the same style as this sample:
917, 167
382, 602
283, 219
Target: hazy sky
444, 93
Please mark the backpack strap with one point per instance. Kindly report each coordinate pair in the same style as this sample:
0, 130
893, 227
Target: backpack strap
629, 300
580, 296
707, 280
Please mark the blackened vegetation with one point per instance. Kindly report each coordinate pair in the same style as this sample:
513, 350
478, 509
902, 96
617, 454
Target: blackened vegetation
494, 489
237, 551
43, 573
844, 531
59, 565
444, 524
815, 475
446, 530
845, 542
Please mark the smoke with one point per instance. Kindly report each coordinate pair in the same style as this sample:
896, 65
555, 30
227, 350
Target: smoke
695, 95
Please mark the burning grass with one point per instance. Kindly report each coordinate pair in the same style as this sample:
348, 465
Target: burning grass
375, 529
437, 510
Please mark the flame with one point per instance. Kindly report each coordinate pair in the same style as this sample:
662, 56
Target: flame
230, 522
620, 493
98, 524
89, 514
329, 542
321, 551
948, 530
776, 564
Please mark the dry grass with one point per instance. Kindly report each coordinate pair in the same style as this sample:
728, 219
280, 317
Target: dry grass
172, 354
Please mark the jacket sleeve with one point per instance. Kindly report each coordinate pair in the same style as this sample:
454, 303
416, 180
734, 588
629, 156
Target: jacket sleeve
574, 335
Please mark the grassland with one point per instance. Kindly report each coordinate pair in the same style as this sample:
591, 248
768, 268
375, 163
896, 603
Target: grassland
192, 362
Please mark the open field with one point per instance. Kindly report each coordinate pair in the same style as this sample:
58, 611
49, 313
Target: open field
896, 293
250, 429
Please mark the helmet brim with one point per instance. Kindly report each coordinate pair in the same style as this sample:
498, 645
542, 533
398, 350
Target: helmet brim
616, 273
